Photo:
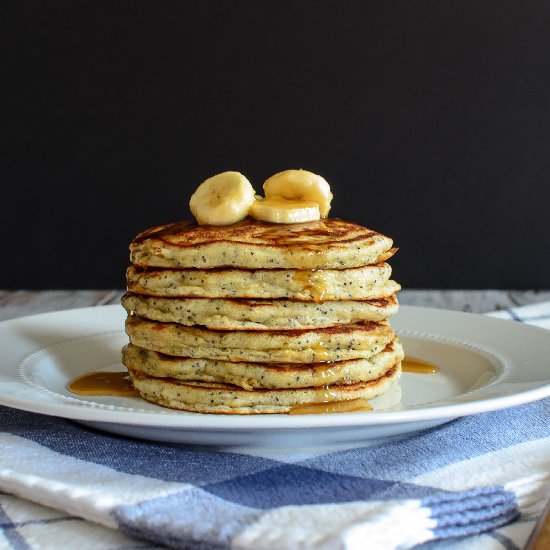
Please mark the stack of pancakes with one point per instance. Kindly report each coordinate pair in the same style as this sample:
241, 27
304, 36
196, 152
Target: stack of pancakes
260, 318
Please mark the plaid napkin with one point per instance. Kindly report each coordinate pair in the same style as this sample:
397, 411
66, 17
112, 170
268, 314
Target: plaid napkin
533, 314
476, 482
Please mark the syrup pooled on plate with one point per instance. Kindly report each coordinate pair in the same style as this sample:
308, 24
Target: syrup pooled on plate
325, 402
412, 364
103, 383
342, 406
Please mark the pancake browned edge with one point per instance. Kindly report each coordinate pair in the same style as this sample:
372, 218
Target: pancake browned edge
242, 314
357, 283
330, 243
250, 376
354, 341
216, 398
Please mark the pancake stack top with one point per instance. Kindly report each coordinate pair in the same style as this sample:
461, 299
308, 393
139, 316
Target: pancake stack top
257, 317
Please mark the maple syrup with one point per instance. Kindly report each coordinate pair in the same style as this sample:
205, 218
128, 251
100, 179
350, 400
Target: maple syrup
103, 383
412, 364
324, 369
320, 351
313, 282
342, 406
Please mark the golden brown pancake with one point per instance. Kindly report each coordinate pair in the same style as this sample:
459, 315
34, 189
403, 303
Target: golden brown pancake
358, 283
228, 399
353, 341
251, 376
238, 314
329, 243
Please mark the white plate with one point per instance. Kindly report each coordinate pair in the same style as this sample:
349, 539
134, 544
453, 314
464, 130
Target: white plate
486, 364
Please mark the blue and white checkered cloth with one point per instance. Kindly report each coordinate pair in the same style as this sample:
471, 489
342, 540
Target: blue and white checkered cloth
476, 482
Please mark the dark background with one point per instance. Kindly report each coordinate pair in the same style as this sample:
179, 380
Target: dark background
430, 120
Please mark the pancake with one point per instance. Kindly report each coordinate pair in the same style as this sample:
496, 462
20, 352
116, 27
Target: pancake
217, 398
360, 283
353, 341
233, 314
251, 376
325, 244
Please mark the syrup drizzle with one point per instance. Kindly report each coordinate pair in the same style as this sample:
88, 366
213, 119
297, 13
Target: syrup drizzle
312, 281
320, 351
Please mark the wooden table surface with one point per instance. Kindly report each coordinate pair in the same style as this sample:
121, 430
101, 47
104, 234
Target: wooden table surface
17, 303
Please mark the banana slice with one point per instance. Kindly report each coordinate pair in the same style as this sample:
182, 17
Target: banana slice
280, 210
300, 185
222, 199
